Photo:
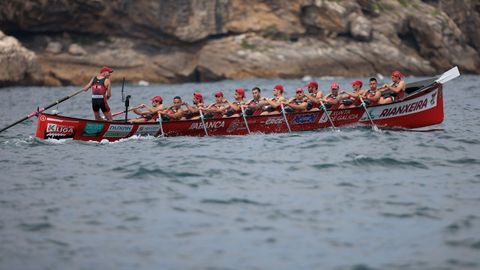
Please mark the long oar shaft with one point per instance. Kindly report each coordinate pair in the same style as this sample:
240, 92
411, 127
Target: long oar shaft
326, 113
285, 117
203, 123
245, 119
122, 112
160, 120
41, 110
374, 127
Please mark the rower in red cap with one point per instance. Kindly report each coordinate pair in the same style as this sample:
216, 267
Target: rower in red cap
151, 113
332, 100
193, 111
352, 99
298, 103
314, 97
274, 104
234, 109
216, 109
394, 91
101, 92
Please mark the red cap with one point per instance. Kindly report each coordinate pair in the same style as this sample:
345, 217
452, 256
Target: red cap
334, 85
219, 94
279, 87
298, 90
240, 91
157, 99
106, 69
397, 73
312, 84
357, 82
198, 96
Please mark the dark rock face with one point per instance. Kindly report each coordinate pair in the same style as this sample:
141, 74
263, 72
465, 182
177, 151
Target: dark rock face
185, 40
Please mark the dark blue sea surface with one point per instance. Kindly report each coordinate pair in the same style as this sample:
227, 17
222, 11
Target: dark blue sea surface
350, 199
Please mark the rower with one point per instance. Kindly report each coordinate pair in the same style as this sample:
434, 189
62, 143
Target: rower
351, 99
372, 95
298, 103
193, 112
255, 105
234, 109
216, 109
101, 92
332, 100
274, 104
314, 97
174, 112
395, 91
151, 113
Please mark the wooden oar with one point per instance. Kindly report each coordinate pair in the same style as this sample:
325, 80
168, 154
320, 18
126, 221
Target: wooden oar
42, 109
374, 127
203, 122
122, 112
326, 113
245, 118
285, 117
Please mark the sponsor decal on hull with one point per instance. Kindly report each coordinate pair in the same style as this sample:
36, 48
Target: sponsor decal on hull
118, 131
274, 120
236, 124
56, 131
304, 119
147, 130
416, 105
340, 115
92, 129
210, 124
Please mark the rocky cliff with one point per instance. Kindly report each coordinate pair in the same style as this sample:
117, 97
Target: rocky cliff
65, 41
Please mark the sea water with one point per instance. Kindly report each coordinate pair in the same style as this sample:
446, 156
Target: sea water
348, 199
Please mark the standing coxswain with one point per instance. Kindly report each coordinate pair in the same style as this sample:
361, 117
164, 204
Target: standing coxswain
101, 92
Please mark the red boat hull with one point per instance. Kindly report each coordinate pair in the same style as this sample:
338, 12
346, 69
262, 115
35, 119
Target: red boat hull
421, 109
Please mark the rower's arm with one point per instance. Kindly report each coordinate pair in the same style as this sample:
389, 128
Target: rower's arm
302, 106
109, 88
276, 104
377, 96
399, 88
234, 107
88, 85
313, 99
331, 102
353, 94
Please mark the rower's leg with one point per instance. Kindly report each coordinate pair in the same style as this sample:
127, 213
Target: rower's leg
97, 115
385, 100
108, 115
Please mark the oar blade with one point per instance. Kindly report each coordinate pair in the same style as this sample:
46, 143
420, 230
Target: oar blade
449, 75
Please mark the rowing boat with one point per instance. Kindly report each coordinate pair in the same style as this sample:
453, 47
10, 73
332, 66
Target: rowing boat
423, 106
